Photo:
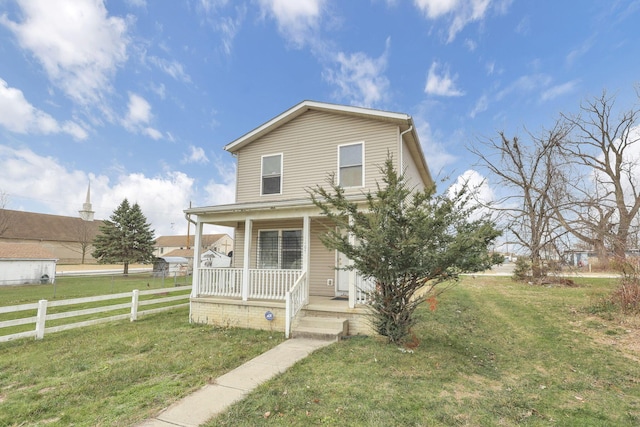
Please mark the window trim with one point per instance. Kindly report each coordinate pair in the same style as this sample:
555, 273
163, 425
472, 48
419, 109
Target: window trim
280, 232
361, 143
262, 193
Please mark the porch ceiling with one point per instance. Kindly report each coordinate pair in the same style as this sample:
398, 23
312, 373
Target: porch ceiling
229, 215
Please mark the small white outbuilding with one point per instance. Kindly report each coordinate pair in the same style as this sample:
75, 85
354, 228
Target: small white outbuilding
26, 263
170, 266
214, 259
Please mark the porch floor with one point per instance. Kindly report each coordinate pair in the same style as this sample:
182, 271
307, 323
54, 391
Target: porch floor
319, 303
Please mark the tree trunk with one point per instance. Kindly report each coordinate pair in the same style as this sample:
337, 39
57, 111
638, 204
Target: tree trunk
126, 268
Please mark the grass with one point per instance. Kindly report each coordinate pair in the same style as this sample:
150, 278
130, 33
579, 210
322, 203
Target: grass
493, 353
68, 287
117, 374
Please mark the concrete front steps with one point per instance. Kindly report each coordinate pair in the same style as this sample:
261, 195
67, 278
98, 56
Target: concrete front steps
323, 328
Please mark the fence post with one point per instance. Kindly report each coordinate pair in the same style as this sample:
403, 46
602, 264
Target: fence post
40, 318
134, 305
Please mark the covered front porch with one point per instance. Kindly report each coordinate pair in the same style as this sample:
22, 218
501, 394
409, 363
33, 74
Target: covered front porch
278, 269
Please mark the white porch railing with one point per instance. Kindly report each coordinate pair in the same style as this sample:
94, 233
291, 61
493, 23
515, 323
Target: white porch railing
263, 283
363, 289
295, 299
222, 282
271, 284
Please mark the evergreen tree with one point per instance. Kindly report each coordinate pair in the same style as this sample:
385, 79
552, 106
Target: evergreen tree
408, 242
125, 238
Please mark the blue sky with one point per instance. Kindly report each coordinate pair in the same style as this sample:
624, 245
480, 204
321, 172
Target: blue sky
139, 97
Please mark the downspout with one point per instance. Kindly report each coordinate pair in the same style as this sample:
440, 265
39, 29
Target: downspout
401, 160
189, 220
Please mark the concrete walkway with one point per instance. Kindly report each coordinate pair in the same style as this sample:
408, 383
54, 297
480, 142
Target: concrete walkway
212, 399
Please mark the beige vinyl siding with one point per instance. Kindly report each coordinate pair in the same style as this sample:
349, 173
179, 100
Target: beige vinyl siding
411, 170
238, 246
322, 259
309, 145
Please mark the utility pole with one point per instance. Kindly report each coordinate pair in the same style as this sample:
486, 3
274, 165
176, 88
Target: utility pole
188, 227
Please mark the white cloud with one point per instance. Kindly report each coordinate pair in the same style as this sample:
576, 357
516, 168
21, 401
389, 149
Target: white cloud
558, 90
476, 183
223, 190
226, 25
137, 3
436, 8
435, 152
138, 117
161, 198
195, 155
441, 84
77, 43
159, 90
481, 193
32, 179
172, 68
19, 116
459, 13
297, 20
359, 78
482, 104
524, 26
229, 27
152, 133
139, 110
526, 84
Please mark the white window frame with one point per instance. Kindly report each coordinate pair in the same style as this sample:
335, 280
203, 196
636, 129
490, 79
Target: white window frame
362, 165
262, 173
280, 232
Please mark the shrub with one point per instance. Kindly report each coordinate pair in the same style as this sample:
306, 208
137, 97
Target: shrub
627, 296
522, 270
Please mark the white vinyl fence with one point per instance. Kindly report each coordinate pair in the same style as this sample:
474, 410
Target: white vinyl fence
42, 317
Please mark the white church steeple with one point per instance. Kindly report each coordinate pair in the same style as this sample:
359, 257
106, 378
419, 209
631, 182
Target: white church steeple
86, 213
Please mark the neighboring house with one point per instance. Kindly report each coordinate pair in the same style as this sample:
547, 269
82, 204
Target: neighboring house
26, 263
280, 267
64, 236
217, 242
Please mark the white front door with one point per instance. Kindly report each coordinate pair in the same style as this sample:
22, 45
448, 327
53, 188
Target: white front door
342, 275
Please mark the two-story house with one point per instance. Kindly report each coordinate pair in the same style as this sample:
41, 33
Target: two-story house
281, 271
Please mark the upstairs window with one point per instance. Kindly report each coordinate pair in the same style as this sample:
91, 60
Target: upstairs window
272, 174
350, 165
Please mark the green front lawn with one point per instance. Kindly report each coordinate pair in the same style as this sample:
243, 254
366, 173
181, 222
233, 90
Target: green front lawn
117, 374
493, 353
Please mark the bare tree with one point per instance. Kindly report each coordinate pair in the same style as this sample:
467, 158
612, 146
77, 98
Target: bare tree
602, 193
578, 206
526, 172
4, 216
84, 233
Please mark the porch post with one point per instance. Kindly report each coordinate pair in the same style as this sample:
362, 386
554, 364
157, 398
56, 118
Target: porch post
352, 273
306, 250
248, 226
195, 273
